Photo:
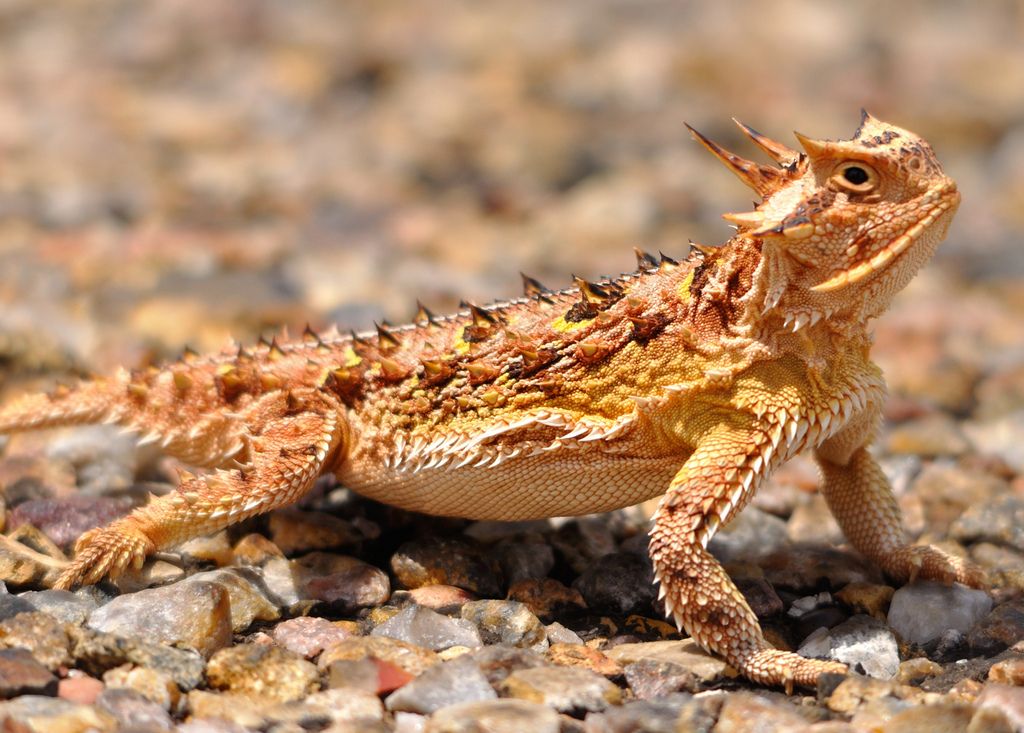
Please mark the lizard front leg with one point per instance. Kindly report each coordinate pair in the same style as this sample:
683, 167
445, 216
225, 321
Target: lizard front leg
863, 504
292, 438
716, 481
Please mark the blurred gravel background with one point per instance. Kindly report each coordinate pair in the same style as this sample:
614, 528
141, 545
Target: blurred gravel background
176, 172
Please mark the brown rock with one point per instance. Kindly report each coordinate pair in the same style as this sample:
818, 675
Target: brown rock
154, 685
21, 674
441, 598
255, 549
869, 598
40, 633
579, 655
345, 583
268, 673
567, 689
1007, 672
295, 531
546, 597
409, 657
80, 688
445, 561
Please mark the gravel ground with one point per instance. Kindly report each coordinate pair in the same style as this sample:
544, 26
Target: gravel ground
180, 172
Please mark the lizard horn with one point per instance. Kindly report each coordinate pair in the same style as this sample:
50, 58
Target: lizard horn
761, 178
782, 154
814, 148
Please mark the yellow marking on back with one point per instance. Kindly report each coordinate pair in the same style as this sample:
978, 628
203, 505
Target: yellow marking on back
562, 325
351, 358
684, 287
460, 345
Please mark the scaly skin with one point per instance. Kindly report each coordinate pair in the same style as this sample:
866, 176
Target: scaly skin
693, 380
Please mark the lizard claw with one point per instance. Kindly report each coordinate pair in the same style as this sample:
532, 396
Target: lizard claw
102, 552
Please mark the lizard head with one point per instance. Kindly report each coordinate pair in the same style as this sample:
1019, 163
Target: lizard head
845, 224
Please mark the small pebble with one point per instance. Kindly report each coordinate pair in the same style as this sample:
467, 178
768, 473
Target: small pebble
496, 716
567, 689
21, 674
307, 635
506, 622
344, 583
619, 583
863, 642
921, 612
193, 614
448, 683
423, 627
446, 561
269, 672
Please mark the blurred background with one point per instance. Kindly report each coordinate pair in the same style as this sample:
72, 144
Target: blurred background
176, 172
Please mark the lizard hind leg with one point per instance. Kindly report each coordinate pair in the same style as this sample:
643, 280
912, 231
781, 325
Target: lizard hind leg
295, 438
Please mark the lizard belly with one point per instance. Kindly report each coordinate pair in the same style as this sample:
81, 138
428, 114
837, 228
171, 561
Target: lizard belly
530, 487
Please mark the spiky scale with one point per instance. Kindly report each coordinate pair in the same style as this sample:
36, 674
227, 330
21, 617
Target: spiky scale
386, 340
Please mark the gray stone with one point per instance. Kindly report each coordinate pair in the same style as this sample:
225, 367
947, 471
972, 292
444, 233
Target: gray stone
642, 716
96, 652
248, 602
449, 683
685, 653
863, 642
620, 583
525, 560
495, 716
752, 534
71, 608
426, 628
921, 612
999, 520
196, 615
12, 605
506, 622
132, 710
566, 689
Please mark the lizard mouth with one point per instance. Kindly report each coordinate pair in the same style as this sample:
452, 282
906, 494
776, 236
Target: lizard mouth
939, 202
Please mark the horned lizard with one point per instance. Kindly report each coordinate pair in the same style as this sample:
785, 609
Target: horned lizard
691, 379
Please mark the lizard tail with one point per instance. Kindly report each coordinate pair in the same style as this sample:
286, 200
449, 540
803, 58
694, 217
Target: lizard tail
86, 403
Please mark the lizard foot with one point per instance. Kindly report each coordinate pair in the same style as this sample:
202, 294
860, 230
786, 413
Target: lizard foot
104, 551
786, 669
924, 562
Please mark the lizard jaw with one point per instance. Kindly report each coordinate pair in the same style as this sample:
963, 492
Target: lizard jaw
948, 199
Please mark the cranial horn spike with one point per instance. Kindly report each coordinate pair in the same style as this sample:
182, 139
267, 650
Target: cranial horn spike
813, 147
761, 178
745, 218
782, 154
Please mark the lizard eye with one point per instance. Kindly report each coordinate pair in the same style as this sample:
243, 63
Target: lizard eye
855, 177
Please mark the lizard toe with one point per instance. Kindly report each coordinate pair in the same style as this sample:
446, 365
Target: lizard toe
786, 669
